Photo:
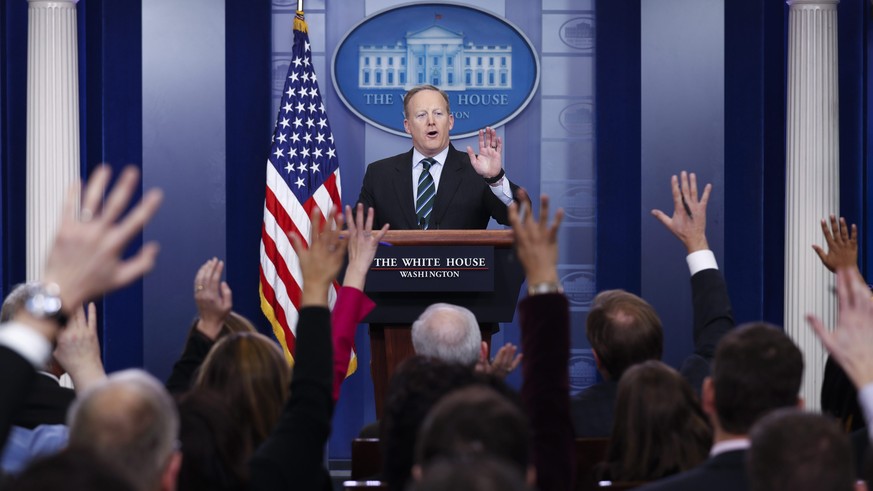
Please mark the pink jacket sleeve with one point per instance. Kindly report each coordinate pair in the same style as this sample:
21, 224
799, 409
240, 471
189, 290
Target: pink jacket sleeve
352, 305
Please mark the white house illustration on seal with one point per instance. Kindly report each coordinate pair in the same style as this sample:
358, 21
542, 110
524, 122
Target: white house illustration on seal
436, 56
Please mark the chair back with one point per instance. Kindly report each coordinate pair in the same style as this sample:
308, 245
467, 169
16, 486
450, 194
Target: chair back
366, 458
590, 451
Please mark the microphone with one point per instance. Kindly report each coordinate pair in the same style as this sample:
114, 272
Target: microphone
422, 224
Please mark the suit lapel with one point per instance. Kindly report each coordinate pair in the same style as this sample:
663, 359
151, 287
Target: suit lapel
450, 180
403, 189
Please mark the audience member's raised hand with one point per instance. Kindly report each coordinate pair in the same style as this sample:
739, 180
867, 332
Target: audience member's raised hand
214, 298
78, 350
85, 259
488, 162
688, 222
851, 342
321, 261
504, 362
842, 246
536, 241
363, 243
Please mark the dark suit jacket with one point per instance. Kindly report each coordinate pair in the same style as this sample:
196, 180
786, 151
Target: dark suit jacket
463, 199
593, 408
47, 403
16, 378
724, 472
292, 456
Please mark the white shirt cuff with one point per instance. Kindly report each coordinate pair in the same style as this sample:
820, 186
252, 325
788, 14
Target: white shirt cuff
503, 191
28, 343
700, 260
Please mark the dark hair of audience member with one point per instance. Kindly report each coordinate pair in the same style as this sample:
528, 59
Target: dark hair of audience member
214, 448
623, 330
793, 450
471, 422
839, 398
659, 429
416, 386
74, 470
250, 372
757, 369
482, 473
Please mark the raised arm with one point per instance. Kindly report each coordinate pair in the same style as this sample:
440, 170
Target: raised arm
83, 263
214, 300
352, 305
292, 456
545, 339
713, 315
850, 343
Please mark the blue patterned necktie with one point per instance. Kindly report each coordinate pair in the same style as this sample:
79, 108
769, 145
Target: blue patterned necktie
426, 193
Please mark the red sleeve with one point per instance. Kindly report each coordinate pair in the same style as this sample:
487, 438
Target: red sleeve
352, 305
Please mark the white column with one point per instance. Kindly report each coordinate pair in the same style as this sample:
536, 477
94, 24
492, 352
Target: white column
813, 176
52, 121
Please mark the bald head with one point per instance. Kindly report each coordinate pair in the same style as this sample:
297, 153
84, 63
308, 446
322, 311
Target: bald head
130, 420
449, 333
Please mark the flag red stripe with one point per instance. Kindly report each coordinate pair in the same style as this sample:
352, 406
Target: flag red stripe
333, 192
283, 219
270, 296
282, 270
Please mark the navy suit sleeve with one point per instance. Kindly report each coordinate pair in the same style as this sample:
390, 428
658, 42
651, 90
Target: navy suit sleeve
713, 316
367, 190
545, 392
292, 456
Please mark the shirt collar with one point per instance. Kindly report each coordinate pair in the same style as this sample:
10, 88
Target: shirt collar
417, 157
730, 446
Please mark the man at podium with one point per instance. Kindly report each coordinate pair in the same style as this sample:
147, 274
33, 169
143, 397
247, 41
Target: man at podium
433, 186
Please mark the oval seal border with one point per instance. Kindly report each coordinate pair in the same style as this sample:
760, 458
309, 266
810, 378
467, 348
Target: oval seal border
534, 85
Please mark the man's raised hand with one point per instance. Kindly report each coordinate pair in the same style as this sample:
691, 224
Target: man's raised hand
688, 222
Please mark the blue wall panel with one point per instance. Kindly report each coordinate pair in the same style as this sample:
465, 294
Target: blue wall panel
184, 132
682, 127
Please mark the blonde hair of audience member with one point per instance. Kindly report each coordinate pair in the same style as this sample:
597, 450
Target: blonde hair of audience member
659, 429
131, 420
251, 372
449, 333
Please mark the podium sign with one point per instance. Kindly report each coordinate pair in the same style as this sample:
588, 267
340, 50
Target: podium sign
432, 269
476, 269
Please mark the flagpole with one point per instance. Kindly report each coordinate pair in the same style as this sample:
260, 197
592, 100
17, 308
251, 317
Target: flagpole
300, 5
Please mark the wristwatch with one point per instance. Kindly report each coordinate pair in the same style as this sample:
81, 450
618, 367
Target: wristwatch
544, 288
43, 301
495, 179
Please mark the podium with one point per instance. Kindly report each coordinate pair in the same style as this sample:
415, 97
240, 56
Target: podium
399, 301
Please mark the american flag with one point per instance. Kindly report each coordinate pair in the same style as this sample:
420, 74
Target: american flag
302, 174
